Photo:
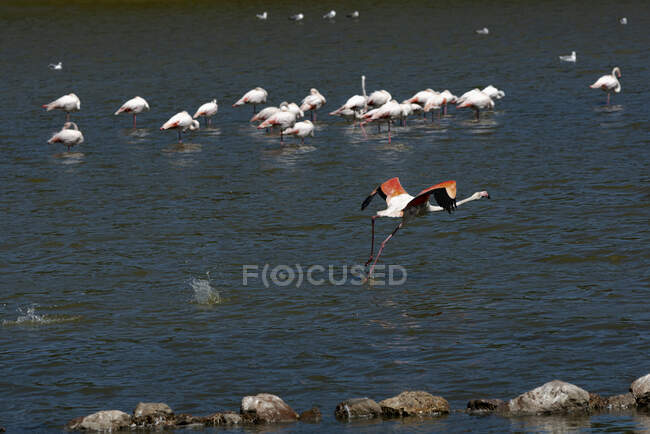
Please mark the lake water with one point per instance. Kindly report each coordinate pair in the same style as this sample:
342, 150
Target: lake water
122, 264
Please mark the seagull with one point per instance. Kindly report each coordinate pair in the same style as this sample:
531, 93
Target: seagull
623, 20
354, 14
264, 15
330, 15
570, 58
297, 17
57, 66
483, 31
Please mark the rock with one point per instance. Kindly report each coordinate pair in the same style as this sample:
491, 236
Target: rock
357, 408
187, 419
153, 414
227, 418
640, 388
266, 408
553, 397
483, 406
416, 403
312, 415
596, 402
107, 420
621, 402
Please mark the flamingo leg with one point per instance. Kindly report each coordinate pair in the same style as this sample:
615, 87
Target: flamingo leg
67, 114
389, 132
209, 121
311, 114
445, 110
381, 247
607, 98
180, 140
134, 121
314, 114
372, 242
477, 115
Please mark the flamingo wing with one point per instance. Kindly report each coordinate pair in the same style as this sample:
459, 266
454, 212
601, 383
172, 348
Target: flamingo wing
386, 190
444, 194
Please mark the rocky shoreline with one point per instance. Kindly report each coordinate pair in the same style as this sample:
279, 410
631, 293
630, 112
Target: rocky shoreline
553, 398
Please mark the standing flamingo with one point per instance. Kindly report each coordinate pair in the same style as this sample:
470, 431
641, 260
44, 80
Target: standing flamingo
208, 110
313, 102
68, 103
493, 92
435, 102
358, 103
181, 121
402, 205
450, 98
69, 135
254, 96
283, 119
301, 129
388, 112
134, 105
609, 82
476, 100
378, 98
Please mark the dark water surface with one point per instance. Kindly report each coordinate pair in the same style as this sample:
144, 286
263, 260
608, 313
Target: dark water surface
105, 299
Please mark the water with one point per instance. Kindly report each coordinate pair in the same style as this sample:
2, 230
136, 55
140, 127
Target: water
105, 300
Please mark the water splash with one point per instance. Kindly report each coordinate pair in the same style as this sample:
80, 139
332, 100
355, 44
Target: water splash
28, 317
204, 293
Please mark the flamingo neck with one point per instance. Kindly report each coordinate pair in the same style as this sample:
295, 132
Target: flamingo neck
363, 85
616, 72
435, 208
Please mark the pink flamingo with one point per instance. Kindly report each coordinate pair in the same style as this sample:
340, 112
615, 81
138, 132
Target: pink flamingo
69, 135
402, 205
254, 96
68, 103
389, 111
609, 83
477, 100
313, 102
284, 118
134, 105
181, 121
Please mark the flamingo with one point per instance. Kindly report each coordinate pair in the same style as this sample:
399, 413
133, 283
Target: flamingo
69, 135
389, 111
181, 121
297, 17
208, 110
570, 58
435, 102
313, 102
609, 83
266, 112
483, 31
354, 14
295, 109
450, 98
253, 96
68, 103
493, 92
264, 15
330, 15
358, 103
477, 100
283, 118
301, 129
56, 66
378, 98
402, 205
134, 105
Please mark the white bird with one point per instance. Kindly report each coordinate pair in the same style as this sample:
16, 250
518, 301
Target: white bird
388, 112
354, 14
330, 15
267, 112
493, 92
623, 20
435, 102
264, 15
254, 96
450, 98
295, 109
56, 66
402, 205
134, 105
358, 103
69, 135
569, 58
181, 121
68, 103
483, 31
283, 119
208, 110
476, 100
422, 96
378, 98
297, 17
312, 102
348, 114
301, 129
609, 83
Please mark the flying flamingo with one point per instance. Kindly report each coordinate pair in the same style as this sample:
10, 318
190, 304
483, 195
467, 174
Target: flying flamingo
134, 105
69, 135
181, 121
609, 82
254, 96
68, 103
208, 110
301, 129
358, 103
389, 111
477, 100
313, 102
402, 205
283, 118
